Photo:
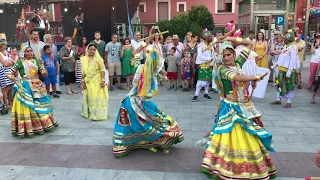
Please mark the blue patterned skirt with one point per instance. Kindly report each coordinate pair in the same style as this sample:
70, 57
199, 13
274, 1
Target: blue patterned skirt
142, 124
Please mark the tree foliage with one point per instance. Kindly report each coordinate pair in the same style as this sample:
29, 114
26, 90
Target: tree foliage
197, 18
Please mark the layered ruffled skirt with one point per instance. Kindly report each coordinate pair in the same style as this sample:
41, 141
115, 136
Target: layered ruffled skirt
238, 147
142, 125
30, 115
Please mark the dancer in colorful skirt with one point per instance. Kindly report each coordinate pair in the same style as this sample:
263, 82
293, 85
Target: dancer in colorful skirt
287, 64
237, 147
32, 107
140, 122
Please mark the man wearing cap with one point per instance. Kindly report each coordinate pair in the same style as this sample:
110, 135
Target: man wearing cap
287, 64
204, 59
179, 52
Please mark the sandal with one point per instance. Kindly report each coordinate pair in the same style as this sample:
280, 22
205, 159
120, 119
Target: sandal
69, 93
312, 102
166, 151
276, 103
153, 149
287, 105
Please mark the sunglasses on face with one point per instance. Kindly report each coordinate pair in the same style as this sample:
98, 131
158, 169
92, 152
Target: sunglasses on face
227, 55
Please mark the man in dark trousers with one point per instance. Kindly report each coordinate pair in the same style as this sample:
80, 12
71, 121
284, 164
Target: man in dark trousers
77, 24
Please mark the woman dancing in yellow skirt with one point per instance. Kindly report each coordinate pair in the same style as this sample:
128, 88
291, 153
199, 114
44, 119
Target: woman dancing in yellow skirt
32, 107
237, 147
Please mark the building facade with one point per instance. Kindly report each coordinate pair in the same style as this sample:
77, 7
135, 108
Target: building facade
152, 11
267, 15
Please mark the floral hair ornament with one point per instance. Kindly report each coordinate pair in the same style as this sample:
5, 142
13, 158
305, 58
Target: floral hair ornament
239, 33
229, 27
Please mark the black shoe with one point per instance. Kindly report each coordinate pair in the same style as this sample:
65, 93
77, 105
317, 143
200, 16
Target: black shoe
195, 98
3, 109
174, 88
50, 93
184, 90
56, 95
188, 89
207, 97
58, 92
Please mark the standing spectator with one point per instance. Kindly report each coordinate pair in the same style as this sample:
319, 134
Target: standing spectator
5, 66
35, 44
81, 47
251, 36
272, 42
135, 44
192, 50
301, 47
165, 49
48, 40
81, 51
219, 34
315, 60
101, 44
316, 84
77, 24
276, 50
261, 48
179, 51
298, 31
51, 63
172, 75
127, 54
187, 39
113, 62
186, 71
41, 23
67, 56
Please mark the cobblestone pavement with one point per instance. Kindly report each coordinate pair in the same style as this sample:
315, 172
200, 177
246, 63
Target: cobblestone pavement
81, 149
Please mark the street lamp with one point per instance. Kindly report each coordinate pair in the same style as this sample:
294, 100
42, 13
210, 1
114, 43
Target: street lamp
1, 11
65, 9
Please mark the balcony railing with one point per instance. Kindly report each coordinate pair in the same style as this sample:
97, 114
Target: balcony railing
272, 5
265, 5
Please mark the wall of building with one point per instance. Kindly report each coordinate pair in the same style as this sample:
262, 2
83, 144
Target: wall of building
150, 16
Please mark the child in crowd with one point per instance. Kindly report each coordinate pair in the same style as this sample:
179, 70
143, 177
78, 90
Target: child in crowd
172, 70
186, 71
14, 54
51, 64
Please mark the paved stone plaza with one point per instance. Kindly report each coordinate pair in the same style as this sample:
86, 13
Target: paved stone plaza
81, 149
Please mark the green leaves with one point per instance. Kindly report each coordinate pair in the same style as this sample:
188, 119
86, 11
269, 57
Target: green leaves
197, 18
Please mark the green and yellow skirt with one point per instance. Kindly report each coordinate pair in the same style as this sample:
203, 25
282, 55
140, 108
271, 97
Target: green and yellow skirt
30, 115
238, 147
